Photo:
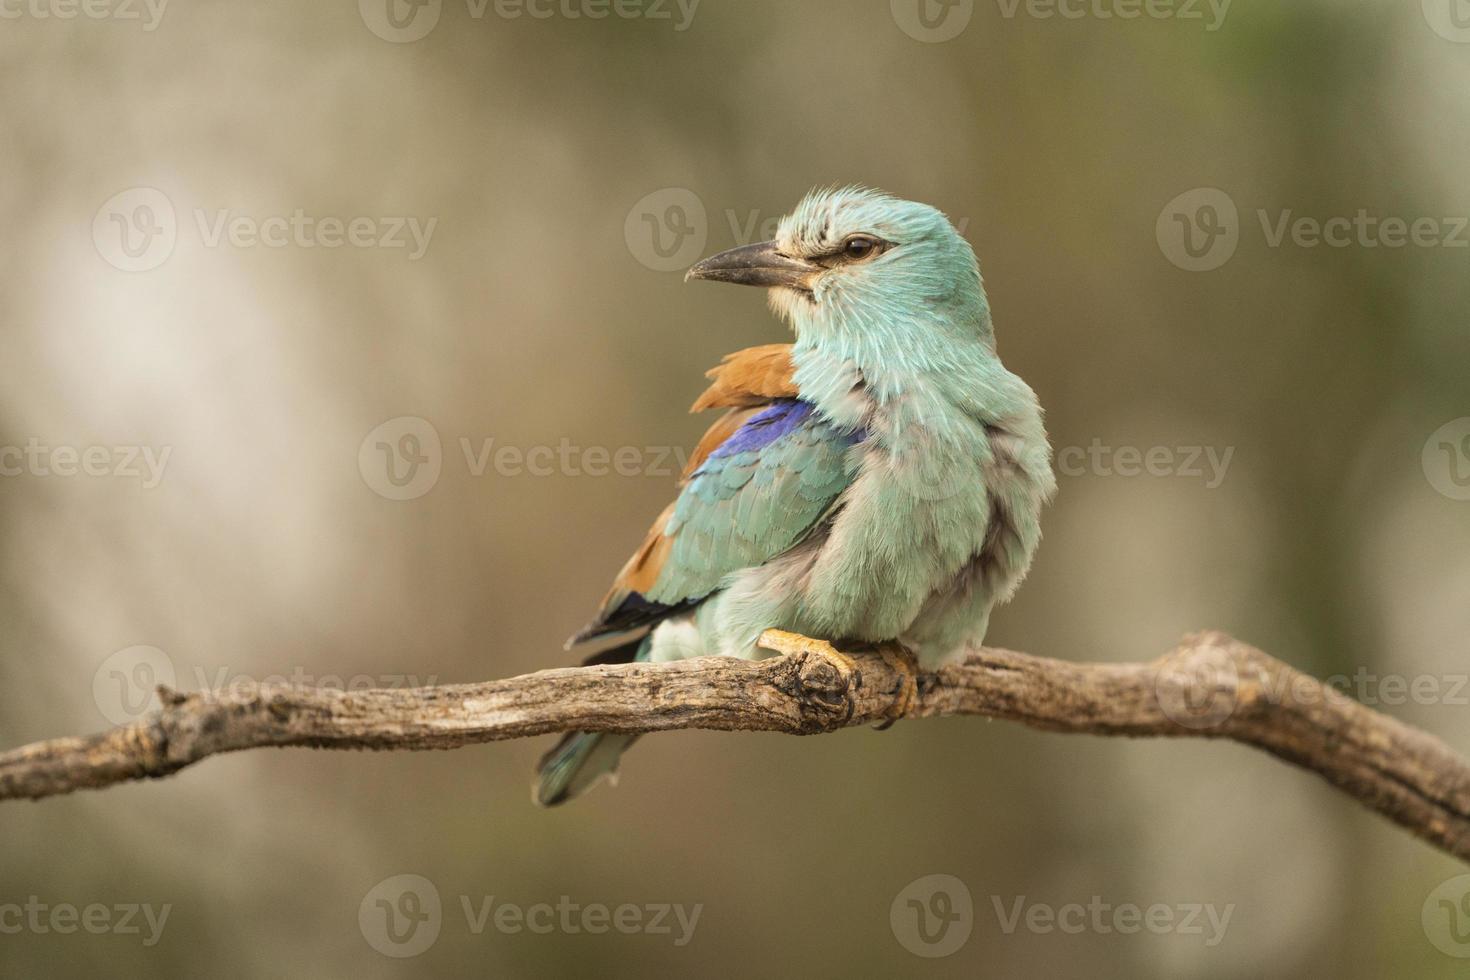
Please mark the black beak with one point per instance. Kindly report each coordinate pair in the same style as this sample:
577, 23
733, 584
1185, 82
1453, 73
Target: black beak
756, 265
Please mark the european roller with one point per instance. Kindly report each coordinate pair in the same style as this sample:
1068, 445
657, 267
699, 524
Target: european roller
877, 482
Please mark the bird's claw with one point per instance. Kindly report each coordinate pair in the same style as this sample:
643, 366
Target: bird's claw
906, 665
790, 644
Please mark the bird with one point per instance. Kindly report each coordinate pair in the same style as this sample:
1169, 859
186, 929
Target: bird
877, 481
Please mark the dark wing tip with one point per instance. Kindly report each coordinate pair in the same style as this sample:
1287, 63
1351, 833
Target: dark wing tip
633, 613
591, 631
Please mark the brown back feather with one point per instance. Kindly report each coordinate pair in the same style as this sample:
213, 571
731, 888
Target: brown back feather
749, 377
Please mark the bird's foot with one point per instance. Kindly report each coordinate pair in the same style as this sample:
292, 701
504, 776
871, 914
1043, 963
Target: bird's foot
849, 677
906, 665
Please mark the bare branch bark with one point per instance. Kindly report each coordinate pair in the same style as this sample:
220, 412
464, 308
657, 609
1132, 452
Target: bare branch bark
1211, 686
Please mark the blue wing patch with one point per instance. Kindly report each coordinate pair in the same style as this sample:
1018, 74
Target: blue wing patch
758, 494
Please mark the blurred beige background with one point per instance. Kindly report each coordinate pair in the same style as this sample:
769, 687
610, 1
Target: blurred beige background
554, 168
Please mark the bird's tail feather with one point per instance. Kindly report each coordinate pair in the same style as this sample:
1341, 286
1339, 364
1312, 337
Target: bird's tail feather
577, 762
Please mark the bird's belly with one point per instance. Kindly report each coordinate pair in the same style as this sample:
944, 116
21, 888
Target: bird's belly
892, 565
954, 618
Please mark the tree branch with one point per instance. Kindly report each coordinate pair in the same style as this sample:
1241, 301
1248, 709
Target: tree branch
1211, 686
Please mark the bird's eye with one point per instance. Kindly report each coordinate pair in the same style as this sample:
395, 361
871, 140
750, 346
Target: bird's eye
859, 247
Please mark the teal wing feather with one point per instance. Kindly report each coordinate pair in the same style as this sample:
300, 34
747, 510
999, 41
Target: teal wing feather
757, 495
761, 481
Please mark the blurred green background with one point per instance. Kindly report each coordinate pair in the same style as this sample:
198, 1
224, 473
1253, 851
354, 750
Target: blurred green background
548, 151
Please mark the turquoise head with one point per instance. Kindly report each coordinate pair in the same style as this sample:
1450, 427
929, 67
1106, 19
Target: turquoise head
865, 278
